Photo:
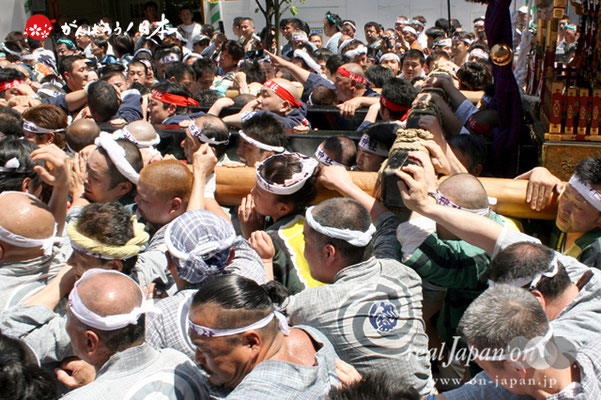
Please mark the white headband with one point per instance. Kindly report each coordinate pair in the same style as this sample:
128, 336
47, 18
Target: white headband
355, 238
344, 44
83, 250
534, 280
11, 165
464, 40
210, 332
321, 156
444, 42
171, 57
22, 241
300, 36
203, 250
117, 155
302, 53
33, 128
356, 52
592, 196
409, 29
512, 355
479, 23
197, 133
49, 92
418, 23
9, 51
109, 322
442, 200
189, 55
124, 133
401, 21
294, 183
260, 145
373, 146
349, 23
479, 53
390, 56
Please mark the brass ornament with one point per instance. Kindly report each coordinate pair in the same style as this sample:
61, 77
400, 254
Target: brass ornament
501, 54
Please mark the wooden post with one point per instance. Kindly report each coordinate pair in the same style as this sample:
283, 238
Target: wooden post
235, 183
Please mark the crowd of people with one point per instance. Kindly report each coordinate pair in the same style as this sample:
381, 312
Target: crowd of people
123, 276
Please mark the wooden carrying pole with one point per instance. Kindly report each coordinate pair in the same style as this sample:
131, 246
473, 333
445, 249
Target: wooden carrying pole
235, 183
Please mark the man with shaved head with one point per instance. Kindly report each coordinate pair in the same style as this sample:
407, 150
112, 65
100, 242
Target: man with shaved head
106, 324
27, 231
111, 172
80, 134
278, 97
144, 136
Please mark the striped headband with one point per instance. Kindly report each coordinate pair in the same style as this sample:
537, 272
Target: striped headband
211, 332
126, 134
171, 57
33, 128
479, 53
9, 51
389, 56
197, 133
443, 42
464, 40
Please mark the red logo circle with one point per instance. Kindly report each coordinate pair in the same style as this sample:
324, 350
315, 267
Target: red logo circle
38, 27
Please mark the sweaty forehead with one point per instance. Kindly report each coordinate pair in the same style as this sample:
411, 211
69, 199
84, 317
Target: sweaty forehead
97, 162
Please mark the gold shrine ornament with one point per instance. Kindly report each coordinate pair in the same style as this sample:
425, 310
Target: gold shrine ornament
501, 54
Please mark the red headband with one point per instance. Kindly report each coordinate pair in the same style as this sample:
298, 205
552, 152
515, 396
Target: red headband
282, 92
169, 98
10, 84
482, 129
348, 74
389, 105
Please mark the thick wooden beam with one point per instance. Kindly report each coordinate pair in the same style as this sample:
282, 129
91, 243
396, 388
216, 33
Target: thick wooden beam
234, 183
